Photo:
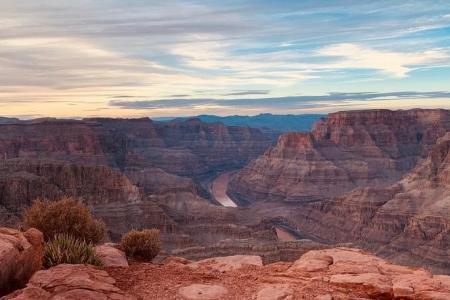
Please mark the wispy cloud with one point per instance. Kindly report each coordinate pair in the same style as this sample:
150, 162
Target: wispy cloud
281, 102
88, 52
397, 64
247, 93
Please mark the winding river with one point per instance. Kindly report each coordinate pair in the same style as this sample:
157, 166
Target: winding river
219, 192
219, 189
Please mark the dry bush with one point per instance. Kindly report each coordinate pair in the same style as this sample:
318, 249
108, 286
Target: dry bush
64, 216
65, 249
144, 245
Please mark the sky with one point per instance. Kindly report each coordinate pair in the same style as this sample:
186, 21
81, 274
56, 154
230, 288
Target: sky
134, 58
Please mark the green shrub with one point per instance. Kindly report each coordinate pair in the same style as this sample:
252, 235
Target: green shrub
65, 249
143, 244
64, 216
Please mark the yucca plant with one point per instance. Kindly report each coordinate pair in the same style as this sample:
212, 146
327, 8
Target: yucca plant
143, 245
65, 249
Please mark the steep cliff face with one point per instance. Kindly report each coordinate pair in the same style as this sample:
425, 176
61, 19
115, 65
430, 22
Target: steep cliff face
207, 147
24, 180
63, 140
151, 198
188, 148
344, 151
408, 221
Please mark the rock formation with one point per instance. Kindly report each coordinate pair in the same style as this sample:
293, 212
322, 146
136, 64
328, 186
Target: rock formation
24, 180
20, 256
111, 256
158, 200
125, 171
70, 282
339, 273
344, 151
408, 221
185, 148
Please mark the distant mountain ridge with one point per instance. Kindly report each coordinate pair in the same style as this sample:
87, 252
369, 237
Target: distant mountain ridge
281, 123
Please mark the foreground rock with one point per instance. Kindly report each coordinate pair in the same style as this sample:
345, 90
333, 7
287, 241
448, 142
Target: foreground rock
338, 273
111, 256
228, 263
71, 282
203, 291
20, 256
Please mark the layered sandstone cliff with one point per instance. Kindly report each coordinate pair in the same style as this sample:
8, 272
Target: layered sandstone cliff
408, 221
148, 198
344, 151
186, 148
126, 170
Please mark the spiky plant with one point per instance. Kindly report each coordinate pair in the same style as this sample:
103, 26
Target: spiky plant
144, 245
65, 249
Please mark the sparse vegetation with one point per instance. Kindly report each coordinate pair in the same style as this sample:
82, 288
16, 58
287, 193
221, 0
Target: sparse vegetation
142, 245
66, 216
65, 249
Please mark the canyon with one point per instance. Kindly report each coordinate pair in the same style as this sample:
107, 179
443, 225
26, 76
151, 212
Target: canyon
344, 151
378, 179
375, 179
134, 173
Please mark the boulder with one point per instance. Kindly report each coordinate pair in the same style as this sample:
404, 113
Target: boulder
71, 282
111, 256
20, 257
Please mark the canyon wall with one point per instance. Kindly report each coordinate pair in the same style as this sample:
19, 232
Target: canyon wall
127, 171
378, 179
408, 221
151, 198
344, 151
188, 148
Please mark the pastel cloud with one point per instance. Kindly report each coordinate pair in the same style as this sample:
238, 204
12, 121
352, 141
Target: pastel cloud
397, 64
71, 58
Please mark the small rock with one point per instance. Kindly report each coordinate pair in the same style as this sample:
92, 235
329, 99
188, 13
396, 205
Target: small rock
402, 289
175, 260
312, 261
228, 263
275, 292
203, 291
324, 297
111, 256
373, 284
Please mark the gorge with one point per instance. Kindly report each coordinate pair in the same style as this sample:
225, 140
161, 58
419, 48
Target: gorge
377, 179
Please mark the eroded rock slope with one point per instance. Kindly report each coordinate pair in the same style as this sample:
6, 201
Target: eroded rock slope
344, 151
408, 221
